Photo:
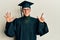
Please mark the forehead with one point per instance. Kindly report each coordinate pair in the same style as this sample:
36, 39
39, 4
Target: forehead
26, 8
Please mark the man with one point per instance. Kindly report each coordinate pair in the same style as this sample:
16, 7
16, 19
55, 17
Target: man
26, 27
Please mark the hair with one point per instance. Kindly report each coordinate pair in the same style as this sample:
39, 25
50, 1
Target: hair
26, 7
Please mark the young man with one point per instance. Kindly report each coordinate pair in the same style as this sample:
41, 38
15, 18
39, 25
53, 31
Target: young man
26, 27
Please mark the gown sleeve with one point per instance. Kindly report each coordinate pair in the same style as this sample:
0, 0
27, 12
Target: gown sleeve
10, 28
42, 28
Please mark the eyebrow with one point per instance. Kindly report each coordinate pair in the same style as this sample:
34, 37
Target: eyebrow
25, 9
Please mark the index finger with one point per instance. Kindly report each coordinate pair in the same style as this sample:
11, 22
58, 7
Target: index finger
42, 14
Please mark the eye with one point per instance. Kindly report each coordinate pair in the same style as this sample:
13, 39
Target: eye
27, 9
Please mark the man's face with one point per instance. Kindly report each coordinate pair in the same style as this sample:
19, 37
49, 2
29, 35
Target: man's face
26, 11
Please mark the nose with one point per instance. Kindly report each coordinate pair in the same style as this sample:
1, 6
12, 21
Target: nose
25, 10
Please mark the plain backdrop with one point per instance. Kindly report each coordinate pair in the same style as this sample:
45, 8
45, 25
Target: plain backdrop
50, 8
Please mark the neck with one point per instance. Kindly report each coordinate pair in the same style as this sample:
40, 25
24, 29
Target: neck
26, 15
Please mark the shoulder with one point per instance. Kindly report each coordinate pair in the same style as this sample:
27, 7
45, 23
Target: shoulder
16, 19
34, 19
21, 18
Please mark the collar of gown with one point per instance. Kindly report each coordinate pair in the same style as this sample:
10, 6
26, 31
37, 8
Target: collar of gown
26, 17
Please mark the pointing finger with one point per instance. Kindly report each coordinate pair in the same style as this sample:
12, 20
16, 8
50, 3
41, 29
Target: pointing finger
42, 14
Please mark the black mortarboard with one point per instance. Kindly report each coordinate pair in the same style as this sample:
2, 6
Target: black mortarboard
25, 4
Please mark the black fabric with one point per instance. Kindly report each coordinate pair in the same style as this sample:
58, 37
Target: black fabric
26, 28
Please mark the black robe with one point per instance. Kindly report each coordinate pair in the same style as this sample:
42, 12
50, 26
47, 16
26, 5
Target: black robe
25, 28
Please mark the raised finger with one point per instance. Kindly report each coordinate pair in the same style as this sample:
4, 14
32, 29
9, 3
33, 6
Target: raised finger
42, 14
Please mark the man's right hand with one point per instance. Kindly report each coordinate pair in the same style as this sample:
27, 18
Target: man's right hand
8, 17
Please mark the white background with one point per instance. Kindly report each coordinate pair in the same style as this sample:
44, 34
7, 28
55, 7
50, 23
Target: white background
50, 8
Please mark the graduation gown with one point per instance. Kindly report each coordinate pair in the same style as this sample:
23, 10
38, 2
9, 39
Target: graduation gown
25, 28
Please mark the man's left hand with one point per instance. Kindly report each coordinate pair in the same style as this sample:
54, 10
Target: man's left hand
41, 19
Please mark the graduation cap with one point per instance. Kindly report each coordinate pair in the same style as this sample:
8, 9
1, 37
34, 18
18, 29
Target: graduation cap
25, 4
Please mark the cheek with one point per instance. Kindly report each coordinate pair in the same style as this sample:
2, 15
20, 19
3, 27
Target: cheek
23, 11
27, 11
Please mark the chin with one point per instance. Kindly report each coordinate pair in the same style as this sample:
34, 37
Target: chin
26, 14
